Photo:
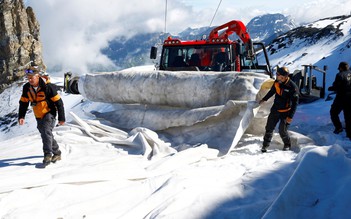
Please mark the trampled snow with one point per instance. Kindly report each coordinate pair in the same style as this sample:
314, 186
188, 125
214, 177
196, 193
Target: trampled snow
97, 179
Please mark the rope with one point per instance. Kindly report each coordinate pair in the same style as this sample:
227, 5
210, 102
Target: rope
215, 12
166, 17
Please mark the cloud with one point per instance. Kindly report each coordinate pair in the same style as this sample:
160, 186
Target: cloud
74, 32
315, 10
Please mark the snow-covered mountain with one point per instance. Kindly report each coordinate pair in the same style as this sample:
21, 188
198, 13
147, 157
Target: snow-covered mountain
325, 42
267, 27
128, 52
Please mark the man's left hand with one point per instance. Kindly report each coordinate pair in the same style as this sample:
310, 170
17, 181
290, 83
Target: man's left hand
288, 120
61, 122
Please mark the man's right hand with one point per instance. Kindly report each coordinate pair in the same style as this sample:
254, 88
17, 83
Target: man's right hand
21, 121
288, 120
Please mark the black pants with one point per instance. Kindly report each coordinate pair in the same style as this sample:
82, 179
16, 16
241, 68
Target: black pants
335, 110
45, 127
342, 103
347, 115
273, 118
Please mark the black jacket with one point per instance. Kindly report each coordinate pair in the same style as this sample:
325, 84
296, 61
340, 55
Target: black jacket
342, 83
286, 97
44, 100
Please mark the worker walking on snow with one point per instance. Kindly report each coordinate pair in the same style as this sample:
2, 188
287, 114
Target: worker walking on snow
342, 101
339, 101
46, 102
283, 109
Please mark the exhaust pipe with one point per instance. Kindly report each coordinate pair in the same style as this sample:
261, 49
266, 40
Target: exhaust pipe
70, 85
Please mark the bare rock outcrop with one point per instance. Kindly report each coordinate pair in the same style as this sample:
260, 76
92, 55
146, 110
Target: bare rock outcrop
19, 40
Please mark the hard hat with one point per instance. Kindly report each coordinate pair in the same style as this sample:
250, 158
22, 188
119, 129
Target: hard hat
343, 66
284, 71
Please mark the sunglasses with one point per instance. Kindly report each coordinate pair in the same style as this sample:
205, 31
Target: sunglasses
29, 71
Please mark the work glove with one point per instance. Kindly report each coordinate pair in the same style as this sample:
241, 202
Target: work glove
288, 120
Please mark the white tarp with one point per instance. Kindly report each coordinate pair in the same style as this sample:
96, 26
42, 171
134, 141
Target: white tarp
219, 127
143, 140
166, 88
183, 107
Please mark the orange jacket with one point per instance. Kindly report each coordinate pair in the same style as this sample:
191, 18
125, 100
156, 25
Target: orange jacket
44, 100
286, 97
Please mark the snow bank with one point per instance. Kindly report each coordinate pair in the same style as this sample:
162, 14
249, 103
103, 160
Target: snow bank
313, 191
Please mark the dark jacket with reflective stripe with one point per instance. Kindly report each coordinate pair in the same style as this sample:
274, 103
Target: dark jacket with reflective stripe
286, 97
44, 100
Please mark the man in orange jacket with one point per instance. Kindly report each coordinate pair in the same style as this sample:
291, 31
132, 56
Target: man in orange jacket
283, 109
46, 103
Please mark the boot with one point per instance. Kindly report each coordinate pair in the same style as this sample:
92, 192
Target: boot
264, 147
56, 157
47, 159
338, 130
286, 147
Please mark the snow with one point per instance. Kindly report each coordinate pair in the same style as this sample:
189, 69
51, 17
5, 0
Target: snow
98, 179
328, 51
322, 23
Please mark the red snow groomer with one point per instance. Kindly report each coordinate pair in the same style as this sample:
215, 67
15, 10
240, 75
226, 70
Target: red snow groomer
216, 53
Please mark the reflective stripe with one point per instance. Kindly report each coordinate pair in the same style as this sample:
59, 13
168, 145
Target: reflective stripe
284, 110
277, 89
24, 99
55, 98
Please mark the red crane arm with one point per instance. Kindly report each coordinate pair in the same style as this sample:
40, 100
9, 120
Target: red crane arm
232, 26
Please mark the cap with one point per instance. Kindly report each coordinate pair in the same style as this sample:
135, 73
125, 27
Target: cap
284, 71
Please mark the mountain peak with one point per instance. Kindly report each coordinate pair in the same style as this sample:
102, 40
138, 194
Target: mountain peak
267, 27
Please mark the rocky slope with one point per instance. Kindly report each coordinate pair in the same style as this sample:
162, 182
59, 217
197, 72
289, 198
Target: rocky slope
19, 40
